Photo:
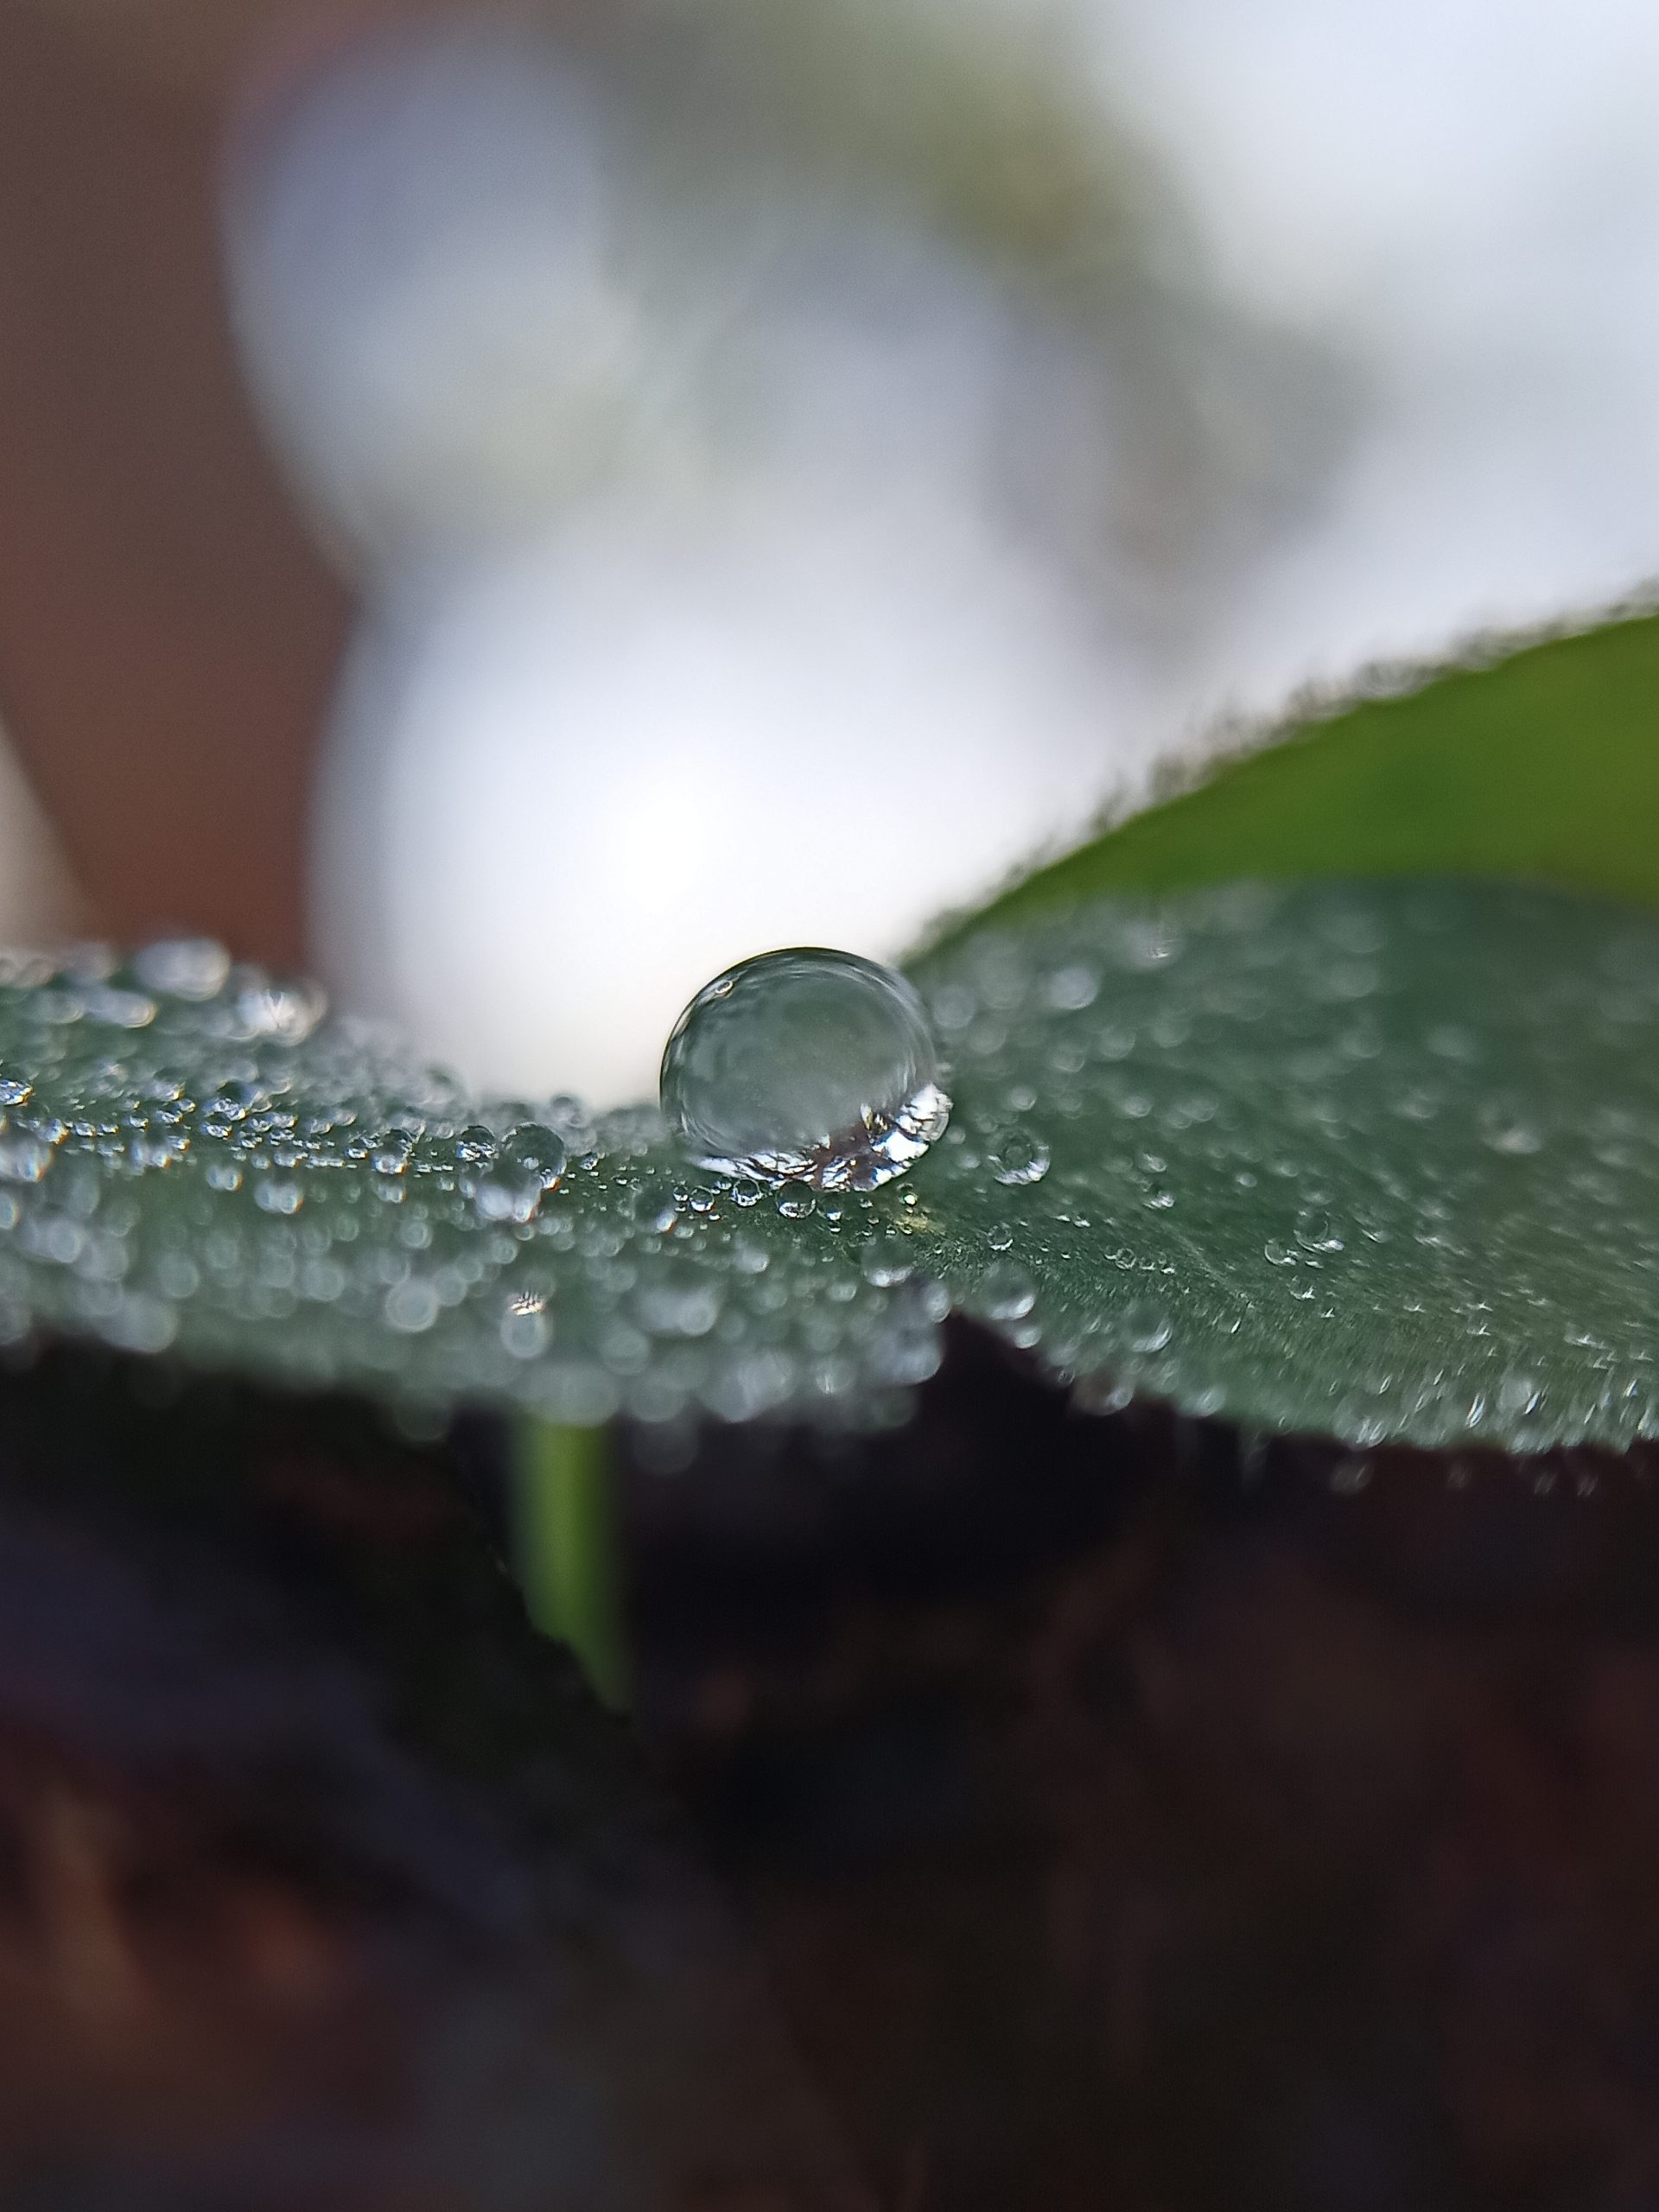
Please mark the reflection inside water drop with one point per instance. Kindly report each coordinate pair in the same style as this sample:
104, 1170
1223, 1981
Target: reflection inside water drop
807, 1067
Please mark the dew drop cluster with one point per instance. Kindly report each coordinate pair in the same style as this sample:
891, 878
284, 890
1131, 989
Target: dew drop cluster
196, 1160
1375, 1161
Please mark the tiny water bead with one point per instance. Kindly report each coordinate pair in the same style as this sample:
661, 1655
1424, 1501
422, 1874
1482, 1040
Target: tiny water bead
1019, 1156
807, 1066
509, 1183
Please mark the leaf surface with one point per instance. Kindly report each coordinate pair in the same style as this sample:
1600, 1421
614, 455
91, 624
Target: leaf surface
1379, 1160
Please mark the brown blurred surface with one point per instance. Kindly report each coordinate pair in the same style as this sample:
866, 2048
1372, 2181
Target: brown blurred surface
324, 1885
167, 636
1133, 1825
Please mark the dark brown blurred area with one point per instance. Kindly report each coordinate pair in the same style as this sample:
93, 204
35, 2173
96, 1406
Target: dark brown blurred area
1134, 1825
324, 1885
167, 635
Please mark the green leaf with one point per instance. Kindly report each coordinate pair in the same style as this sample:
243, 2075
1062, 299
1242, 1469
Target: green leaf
214, 1171
1542, 767
1380, 1161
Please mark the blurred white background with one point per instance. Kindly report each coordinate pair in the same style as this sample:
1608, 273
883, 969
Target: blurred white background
794, 467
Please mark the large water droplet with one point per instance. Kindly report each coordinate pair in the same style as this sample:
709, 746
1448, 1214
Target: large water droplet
805, 1065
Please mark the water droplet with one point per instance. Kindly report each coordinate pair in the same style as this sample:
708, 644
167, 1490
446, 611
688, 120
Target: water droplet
1102, 1394
953, 1007
1113, 1042
1147, 1327
413, 1306
1019, 1156
140, 1325
475, 1146
183, 967
177, 1275
1454, 1040
534, 1150
1314, 1231
500, 1200
1506, 1126
1518, 1394
755, 1383
886, 1261
1071, 989
531, 1163
656, 1205
807, 1066
392, 1150
120, 1009
525, 1333
1151, 942
23, 1158
278, 1197
1006, 1292
286, 1013
679, 1301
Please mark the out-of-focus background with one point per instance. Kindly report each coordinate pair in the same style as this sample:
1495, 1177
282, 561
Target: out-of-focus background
516, 508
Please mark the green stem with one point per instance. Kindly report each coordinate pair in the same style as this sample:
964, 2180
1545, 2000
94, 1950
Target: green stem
565, 1547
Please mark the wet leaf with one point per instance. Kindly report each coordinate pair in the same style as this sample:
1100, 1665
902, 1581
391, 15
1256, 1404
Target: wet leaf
1380, 1161
194, 1162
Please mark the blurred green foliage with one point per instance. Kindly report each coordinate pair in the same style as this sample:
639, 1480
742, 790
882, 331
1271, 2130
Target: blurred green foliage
1541, 766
